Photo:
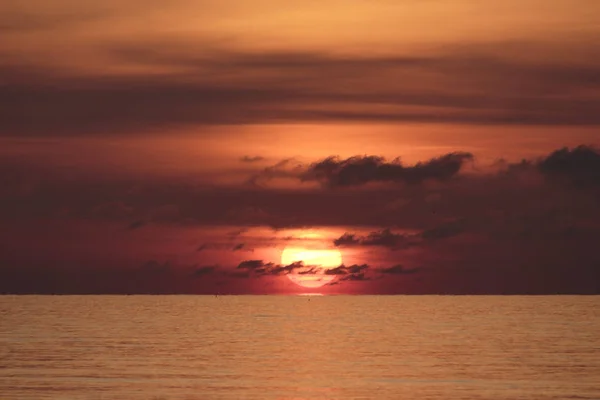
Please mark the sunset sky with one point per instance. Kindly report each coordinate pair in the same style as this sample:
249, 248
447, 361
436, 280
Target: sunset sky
427, 146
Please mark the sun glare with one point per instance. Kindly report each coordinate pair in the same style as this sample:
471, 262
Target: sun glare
323, 259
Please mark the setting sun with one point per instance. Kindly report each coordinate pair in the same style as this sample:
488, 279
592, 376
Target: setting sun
310, 277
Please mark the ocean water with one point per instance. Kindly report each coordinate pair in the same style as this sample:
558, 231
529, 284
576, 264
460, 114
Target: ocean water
299, 347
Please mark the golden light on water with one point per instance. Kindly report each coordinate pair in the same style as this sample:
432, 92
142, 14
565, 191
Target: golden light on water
318, 260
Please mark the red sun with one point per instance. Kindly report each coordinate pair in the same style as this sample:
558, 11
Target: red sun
323, 259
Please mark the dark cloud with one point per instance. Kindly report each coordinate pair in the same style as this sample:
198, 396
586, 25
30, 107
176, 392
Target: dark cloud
397, 269
347, 239
224, 246
477, 85
444, 230
137, 225
383, 238
258, 268
237, 233
237, 247
249, 159
309, 271
261, 268
202, 247
397, 241
356, 268
253, 264
580, 165
359, 170
206, 270
341, 270
470, 200
577, 167
286, 168
353, 273
346, 270
355, 277
334, 172
284, 269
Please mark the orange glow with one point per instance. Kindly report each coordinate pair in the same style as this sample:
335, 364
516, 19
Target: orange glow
325, 259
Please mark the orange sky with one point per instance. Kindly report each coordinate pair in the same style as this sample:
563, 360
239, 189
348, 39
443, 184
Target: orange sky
73, 29
213, 154
138, 132
283, 80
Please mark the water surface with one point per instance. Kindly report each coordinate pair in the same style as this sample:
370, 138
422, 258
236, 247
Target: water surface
299, 347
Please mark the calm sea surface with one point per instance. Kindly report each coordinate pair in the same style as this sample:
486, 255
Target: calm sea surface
299, 347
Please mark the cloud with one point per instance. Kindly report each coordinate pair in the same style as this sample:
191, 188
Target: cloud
383, 238
238, 246
253, 264
284, 269
444, 230
341, 270
334, 172
346, 270
463, 204
360, 170
237, 232
580, 165
480, 84
261, 268
254, 159
281, 169
352, 273
224, 246
397, 241
206, 270
355, 277
310, 271
137, 225
565, 265
347, 239
397, 269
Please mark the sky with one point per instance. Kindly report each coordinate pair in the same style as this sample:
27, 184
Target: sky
268, 147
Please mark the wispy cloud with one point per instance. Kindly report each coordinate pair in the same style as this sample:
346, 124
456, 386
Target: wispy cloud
481, 86
252, 159
384, 238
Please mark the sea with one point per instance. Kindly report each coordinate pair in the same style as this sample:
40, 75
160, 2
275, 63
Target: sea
299, 347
